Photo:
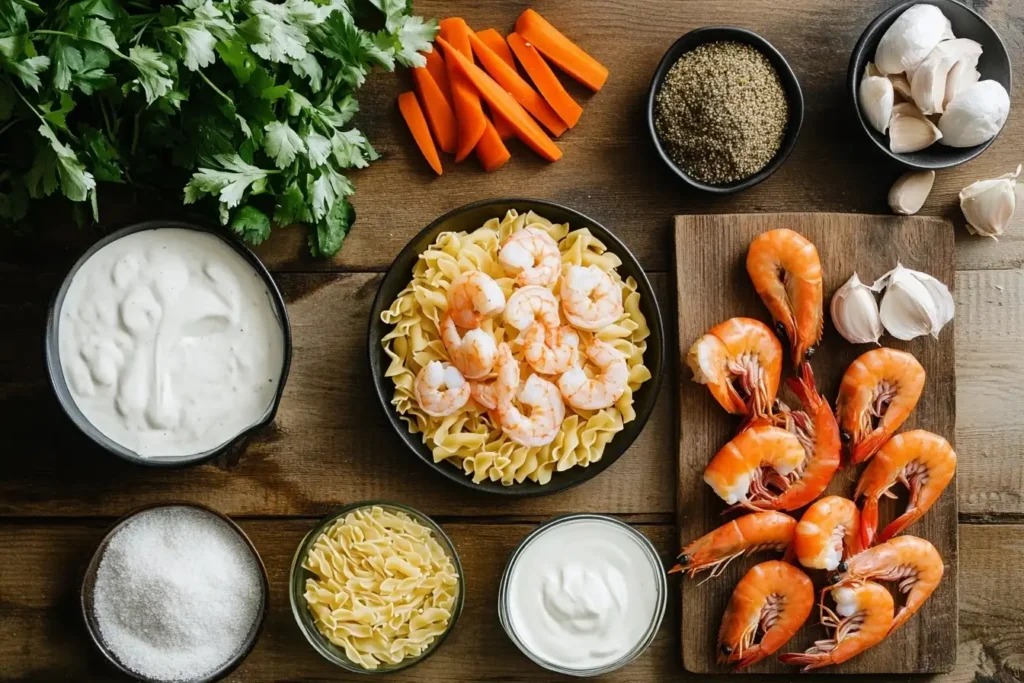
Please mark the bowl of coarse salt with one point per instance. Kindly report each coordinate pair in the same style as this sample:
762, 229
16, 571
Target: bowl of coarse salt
175, 592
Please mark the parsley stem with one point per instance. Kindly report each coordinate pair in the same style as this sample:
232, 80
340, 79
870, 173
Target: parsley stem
215, 88
34, 109
9, 124
47, 32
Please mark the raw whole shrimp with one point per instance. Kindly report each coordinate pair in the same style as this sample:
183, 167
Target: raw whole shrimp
861, 620
757, 460
530, 304
744, 535
923, 462
605, 389
440, 389
472, 297
473, 353
551, 350
773, 598
828, 532
591, 299
532, 256
912, 562
884, 385
740, 361
786, 272
546, 412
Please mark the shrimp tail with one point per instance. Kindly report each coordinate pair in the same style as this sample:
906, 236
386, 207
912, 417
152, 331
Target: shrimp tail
868, 522
868, 447
808, 662
754, 655
900, 523
805, 389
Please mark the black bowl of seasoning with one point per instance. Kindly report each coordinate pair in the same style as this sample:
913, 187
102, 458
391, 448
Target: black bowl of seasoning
724, 109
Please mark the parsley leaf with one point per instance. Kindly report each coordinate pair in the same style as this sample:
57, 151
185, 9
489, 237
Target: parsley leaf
153, 72
229, 182
282, 143
250, 224
332, 230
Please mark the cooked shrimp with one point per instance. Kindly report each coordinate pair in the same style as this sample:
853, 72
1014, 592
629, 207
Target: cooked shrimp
923, 462
758, 459
440, 389
472, 297
742, 536
603, 390
912, 562
473, 353
591, 299
861, 620
530, 304
485, 394
828, 532
532, 256
551, 350
773, 598
740, 361
546, 413
878, 392
786, 272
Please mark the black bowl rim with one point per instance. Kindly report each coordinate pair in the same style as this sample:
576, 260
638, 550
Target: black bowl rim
790, 83
414, 443
93, 566
858, 58
55, 372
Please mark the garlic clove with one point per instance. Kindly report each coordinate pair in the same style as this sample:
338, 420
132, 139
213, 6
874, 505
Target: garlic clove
855, 312
908, 310
928, 85
961, 76
901, 84
876, 100
988, 205
941, 297
975, 115
871, 70
909, 192
910, 131
910, 38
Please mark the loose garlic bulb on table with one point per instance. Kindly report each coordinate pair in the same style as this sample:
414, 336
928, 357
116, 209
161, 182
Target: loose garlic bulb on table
988, 205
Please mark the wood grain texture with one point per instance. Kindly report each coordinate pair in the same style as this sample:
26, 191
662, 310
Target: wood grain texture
713, 286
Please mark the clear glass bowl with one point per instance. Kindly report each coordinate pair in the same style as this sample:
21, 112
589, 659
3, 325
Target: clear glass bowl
297, 589
661, 587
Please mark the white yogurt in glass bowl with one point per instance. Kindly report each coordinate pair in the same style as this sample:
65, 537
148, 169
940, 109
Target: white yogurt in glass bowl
166, 342
583, 595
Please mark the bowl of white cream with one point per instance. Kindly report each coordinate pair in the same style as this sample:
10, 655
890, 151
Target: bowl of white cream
583, 595
168, 342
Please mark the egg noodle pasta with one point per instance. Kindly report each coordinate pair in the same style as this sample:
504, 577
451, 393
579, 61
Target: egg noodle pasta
469, 438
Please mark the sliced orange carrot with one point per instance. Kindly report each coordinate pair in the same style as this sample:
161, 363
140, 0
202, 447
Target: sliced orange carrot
545, 80
566, 55
491, 151
435, 65
436, 107
511, 81
414, 118
493, 40
504, 128
500, 101
469, 115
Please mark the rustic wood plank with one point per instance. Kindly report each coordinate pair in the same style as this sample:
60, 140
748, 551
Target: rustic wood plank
713, 286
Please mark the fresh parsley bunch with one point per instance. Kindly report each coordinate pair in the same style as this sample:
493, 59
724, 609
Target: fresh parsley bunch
248, 102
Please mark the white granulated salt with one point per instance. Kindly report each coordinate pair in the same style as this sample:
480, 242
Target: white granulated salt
177, 593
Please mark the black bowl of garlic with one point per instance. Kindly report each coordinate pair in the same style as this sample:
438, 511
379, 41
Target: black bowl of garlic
930, 83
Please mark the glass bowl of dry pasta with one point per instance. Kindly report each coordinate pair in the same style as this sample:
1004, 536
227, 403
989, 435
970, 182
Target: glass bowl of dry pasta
376, 588
516, 346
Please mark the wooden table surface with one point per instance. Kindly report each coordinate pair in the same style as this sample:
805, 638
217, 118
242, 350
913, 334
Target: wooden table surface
330, 444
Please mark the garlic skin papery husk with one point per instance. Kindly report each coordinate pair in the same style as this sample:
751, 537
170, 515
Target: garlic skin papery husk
911, 37
975, 115
876, 100
928, 86
909, 193
855, 312
988, 205
910, 130
914, 303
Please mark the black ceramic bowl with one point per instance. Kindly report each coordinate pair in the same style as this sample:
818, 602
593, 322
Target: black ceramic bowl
795, 96
56, 372
469, 218
994, 65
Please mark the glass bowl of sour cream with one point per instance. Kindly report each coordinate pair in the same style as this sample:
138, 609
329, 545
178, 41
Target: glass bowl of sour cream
583, 595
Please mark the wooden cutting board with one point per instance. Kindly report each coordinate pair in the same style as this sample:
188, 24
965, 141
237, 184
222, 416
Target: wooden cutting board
713, 286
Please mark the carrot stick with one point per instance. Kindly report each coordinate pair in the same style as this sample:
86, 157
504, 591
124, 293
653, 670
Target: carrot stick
566, 55
436, 107
545, 80
526, 128
493, 40
413, 116
435, 65
491, 151
511, 81
469, 115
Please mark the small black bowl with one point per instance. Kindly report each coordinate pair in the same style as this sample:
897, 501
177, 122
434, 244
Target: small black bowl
468, 218
794, 95
994, 65
56, 372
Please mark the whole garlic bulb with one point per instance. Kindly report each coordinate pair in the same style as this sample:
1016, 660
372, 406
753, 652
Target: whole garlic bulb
975, 115
914, 303
876, 99
988, 205
855, 312
910, 38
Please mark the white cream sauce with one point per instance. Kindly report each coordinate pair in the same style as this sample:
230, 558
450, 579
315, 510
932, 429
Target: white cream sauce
170, 343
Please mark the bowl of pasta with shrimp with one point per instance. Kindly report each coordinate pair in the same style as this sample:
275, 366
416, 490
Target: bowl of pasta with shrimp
516, 346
